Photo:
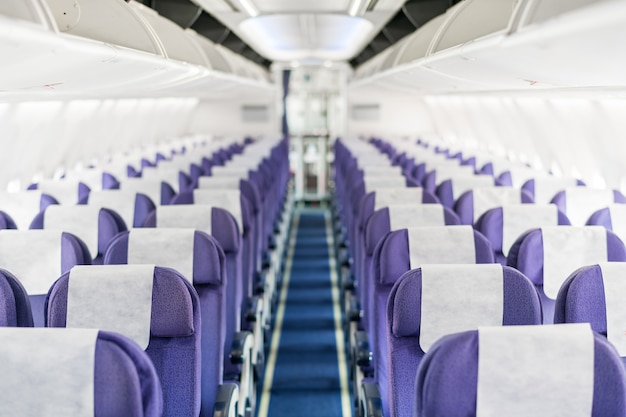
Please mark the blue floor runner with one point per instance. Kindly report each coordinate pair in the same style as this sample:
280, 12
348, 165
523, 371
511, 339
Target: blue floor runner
306, 377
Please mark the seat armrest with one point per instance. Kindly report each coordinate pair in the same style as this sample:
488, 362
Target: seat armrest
253, 309
227, 401
355, 313
362, 351
371, 404
242, 344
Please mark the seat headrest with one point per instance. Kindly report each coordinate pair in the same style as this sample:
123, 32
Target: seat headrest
169, 288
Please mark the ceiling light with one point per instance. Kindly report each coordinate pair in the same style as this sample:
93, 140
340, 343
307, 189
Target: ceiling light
357, 7
249, 7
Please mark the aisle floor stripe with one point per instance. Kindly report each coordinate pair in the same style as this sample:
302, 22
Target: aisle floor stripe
270, 366
346, 408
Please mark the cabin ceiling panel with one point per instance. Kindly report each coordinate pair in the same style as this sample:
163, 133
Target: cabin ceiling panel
291, 6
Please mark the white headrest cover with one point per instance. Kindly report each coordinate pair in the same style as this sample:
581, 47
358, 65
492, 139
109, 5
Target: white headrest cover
464, 184
92, 177
376, 182
191, 216
169, 174
33, 256
389, 196
116, 298
381, 170
618, 220
229, 200
492, 197
582, 202
230, 182
567, 248
22, 207
415, 215
47, 372
230, 171
122, 202
456, 298
521, 174
614, 289
171, 248
446, 172
516, 219
79, 220
543, 371
441, 245
149, 187
64, 191
547, 187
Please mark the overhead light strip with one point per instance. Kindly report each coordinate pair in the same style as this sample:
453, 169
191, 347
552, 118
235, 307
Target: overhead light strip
356, 6
249, 7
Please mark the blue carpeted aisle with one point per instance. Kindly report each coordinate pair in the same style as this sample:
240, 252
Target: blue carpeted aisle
306, 374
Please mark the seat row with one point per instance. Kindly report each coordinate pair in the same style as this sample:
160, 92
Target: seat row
387, 248
220, 256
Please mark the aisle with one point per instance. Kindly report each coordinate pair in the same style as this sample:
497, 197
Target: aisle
303, 377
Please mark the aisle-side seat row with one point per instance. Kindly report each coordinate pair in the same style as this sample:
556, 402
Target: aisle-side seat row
227, 230
585, 245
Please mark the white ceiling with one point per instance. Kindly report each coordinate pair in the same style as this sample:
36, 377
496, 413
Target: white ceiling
296, 30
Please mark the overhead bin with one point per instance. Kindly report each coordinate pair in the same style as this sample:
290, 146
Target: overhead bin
29, 10
471, 19
419, 42
177, 44
529, 45
107, 48
530, 12
216, 59
108, 21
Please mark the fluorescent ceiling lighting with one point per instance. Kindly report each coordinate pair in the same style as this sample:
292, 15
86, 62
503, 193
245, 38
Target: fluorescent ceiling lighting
357, 7
295, 37
249, 7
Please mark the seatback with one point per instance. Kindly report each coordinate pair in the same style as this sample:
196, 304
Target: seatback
434, 300
385, 220
443, 171
133, 207
383, 197
253, 196
199, 258
64, 191
160, 192
613, 218
37, 258
579, 203
156, 307
474, 203
593, 294
78, 372
238, 206
564, 370
6, 222
170, 174
547, 256
93, 225
543, 189
503, 225
451, 189
406, 249
22, 207
15, 308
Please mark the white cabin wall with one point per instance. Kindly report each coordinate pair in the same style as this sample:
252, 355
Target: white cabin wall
225, 118
397, 115
575, 136
39, 138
